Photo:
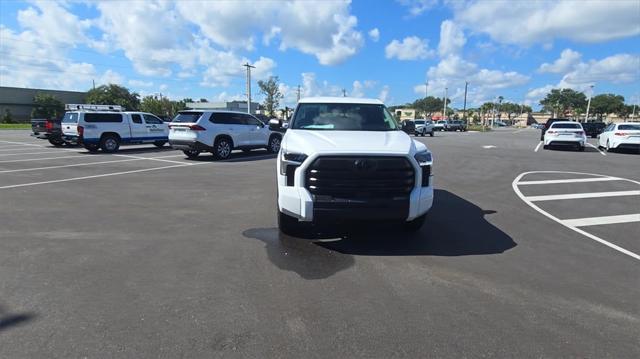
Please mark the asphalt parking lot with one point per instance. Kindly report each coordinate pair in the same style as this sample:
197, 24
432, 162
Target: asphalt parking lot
526, 253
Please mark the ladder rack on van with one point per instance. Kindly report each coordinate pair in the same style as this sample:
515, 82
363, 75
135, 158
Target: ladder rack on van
89, 107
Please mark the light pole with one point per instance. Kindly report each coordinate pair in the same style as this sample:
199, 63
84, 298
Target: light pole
464, 110
586, 117
444, 106
249, 67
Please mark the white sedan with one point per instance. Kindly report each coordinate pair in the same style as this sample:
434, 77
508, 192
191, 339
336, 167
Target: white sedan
565, 133
620, 136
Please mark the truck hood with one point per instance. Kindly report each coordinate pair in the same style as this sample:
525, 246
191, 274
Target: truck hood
311, 142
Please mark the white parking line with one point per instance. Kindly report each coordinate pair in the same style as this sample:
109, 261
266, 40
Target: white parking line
572, 180
27, 153
42, 159
99, 176
21, 143
568, 223
157, 159
538, 146
13, 148
592, 146
595, 221
72, 165
555, 197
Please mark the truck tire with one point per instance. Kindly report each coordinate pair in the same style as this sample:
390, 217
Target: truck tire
93, 148
415, 224
57, 142
191, 153
110, 143
159, 143
431, 133
222, 148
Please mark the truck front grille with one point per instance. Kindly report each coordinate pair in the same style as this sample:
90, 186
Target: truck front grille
360, 177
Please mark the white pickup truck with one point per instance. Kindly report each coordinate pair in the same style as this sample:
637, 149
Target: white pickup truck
347, 159
107, 127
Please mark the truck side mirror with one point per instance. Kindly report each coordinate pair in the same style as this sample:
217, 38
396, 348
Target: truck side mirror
274, 125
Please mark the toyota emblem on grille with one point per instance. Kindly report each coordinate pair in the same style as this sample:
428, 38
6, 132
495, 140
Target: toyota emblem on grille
364, 165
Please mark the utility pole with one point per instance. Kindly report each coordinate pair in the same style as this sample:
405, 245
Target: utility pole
94, 83
586, 117
344, 93
464, 110
633, 115
444, 106
298, 94
249, 67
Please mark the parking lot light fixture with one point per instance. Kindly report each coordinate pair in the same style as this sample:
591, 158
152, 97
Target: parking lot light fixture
586, 116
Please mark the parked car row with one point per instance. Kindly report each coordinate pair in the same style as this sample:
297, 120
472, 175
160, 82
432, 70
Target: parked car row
423, 127
624, 136
107, 127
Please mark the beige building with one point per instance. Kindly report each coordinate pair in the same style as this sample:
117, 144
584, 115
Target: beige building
406, 114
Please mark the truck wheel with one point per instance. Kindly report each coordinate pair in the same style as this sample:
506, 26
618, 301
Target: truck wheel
159, 143
191, 153
416, 224
91, 147
58, 142
110, 143
289, 225
431, 133
222, 148
274, 144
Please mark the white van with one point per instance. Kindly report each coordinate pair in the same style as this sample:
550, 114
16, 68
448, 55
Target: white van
107, 127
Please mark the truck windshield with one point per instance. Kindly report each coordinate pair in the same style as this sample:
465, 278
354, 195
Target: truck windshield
70, 117
343, 117
187, 117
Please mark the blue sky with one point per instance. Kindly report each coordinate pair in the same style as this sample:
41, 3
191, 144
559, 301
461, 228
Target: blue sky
384, 49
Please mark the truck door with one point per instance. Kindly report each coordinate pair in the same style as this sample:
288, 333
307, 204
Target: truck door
138, 128
156, 128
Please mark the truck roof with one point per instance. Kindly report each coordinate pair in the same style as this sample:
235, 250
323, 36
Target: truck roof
368, 101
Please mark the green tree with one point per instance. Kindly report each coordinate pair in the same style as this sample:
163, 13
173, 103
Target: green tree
605, 104
204, 100
187, 100
561, 101
271, 91
428, 105
47, 106
114, 95
162, 106
7, 117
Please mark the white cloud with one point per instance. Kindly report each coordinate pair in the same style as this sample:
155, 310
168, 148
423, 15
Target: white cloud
410, 48
384, 93
374, 34
323, 29
567, 61
620, 68
417, 7
530, 22
140, 83
110, 77
452, 39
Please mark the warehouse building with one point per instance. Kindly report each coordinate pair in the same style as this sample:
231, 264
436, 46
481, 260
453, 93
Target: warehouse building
19, 101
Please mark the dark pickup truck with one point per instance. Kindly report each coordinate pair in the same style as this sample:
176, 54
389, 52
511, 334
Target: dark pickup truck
593, 129
455, 125
47, 129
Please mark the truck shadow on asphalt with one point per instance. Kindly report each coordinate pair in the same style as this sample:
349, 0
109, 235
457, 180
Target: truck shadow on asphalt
8, 320
454, 227
235, 157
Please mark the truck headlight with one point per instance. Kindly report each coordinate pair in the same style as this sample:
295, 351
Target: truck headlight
290, 159
423, 158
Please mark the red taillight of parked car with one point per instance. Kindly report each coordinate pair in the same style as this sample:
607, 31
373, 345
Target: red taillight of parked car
620, 134
48, 125
80, 131
197, 128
